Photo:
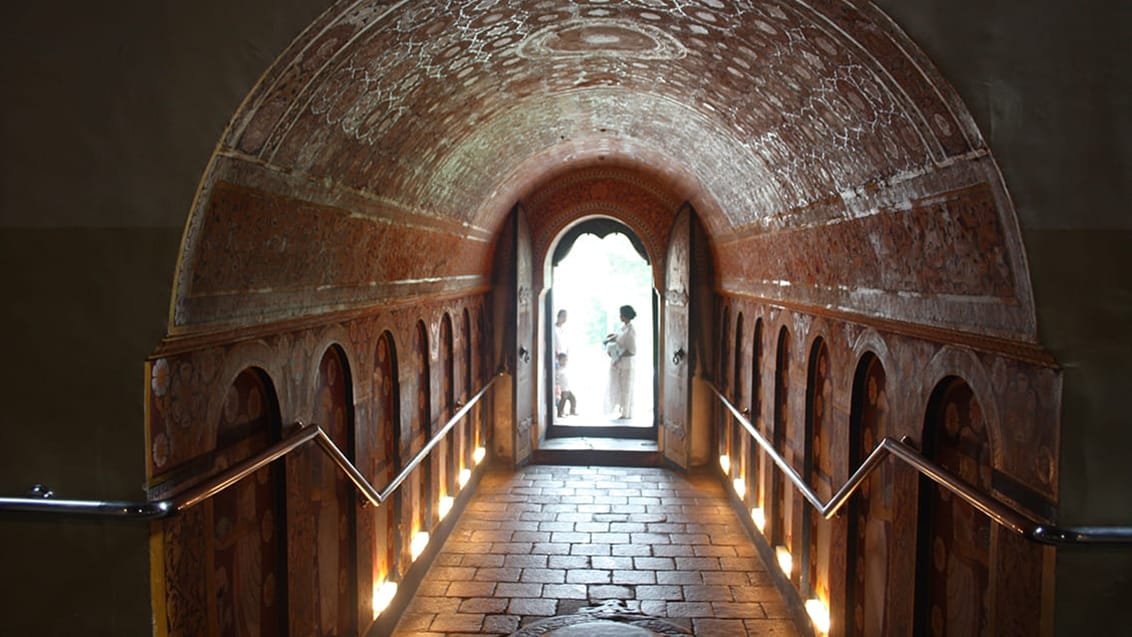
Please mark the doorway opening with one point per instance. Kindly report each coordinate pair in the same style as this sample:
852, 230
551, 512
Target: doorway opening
599, 266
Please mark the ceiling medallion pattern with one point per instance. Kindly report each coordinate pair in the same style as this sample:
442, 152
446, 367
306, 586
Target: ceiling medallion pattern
595, 37
781, 89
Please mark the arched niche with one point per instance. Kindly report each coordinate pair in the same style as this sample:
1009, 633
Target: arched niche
467, 375
953, 578
448, 450
483, 364
389, 522
755, 479
781, 533
872, 512
818, 468
723, 431
740, 442
246, 587
424, 478
321, 511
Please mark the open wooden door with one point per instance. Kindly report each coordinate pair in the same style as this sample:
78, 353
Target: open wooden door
675, 416
523, 365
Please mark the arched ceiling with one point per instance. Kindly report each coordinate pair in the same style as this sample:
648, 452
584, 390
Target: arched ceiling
386, 146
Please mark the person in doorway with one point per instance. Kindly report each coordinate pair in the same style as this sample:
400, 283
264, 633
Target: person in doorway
562, 393
621, 347
560, 344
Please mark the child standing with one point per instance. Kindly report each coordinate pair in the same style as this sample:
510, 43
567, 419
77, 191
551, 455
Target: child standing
562, 388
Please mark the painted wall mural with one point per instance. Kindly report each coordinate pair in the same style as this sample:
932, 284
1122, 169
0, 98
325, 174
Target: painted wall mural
831, 164
271, 256
864, 382
244, 562
347, 86
961, 262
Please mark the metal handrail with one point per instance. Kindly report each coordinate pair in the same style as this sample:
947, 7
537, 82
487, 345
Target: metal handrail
199, 493
1001, 512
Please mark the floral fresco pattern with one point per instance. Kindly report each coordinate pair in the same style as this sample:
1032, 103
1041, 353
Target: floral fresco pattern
225, 566
869, 380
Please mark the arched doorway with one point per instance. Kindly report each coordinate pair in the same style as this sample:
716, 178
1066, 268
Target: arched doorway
598, 267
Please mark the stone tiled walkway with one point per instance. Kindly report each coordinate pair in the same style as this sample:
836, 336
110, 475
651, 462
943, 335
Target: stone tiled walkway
551, 540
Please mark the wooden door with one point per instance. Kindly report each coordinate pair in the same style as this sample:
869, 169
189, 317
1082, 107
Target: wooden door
523, 365
676, 406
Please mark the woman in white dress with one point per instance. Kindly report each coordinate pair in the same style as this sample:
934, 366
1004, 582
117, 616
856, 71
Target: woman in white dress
621, 347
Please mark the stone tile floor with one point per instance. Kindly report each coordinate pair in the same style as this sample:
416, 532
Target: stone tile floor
551, 540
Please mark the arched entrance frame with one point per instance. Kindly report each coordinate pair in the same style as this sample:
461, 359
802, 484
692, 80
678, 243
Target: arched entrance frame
610, 224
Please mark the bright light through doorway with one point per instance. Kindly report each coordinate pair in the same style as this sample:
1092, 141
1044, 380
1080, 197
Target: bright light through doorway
596, 278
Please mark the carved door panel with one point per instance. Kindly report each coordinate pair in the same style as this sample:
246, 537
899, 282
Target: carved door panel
524, 340
676, 408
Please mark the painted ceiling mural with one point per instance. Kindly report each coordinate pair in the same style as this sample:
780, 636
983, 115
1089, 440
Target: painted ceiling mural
379, 156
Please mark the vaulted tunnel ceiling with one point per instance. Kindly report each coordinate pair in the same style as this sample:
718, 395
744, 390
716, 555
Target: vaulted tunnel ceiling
382, 152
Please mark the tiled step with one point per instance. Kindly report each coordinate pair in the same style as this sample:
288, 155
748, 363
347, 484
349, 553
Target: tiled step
586, 451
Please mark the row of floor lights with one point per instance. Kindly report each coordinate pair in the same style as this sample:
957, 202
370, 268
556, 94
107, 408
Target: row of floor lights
384, 591
817, 609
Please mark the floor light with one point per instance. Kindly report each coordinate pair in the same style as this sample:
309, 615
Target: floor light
383, 594
759, 516
725, 463
740, 487
785, 561
819, 614
465, 476
420, 541
479, 454
445, 505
